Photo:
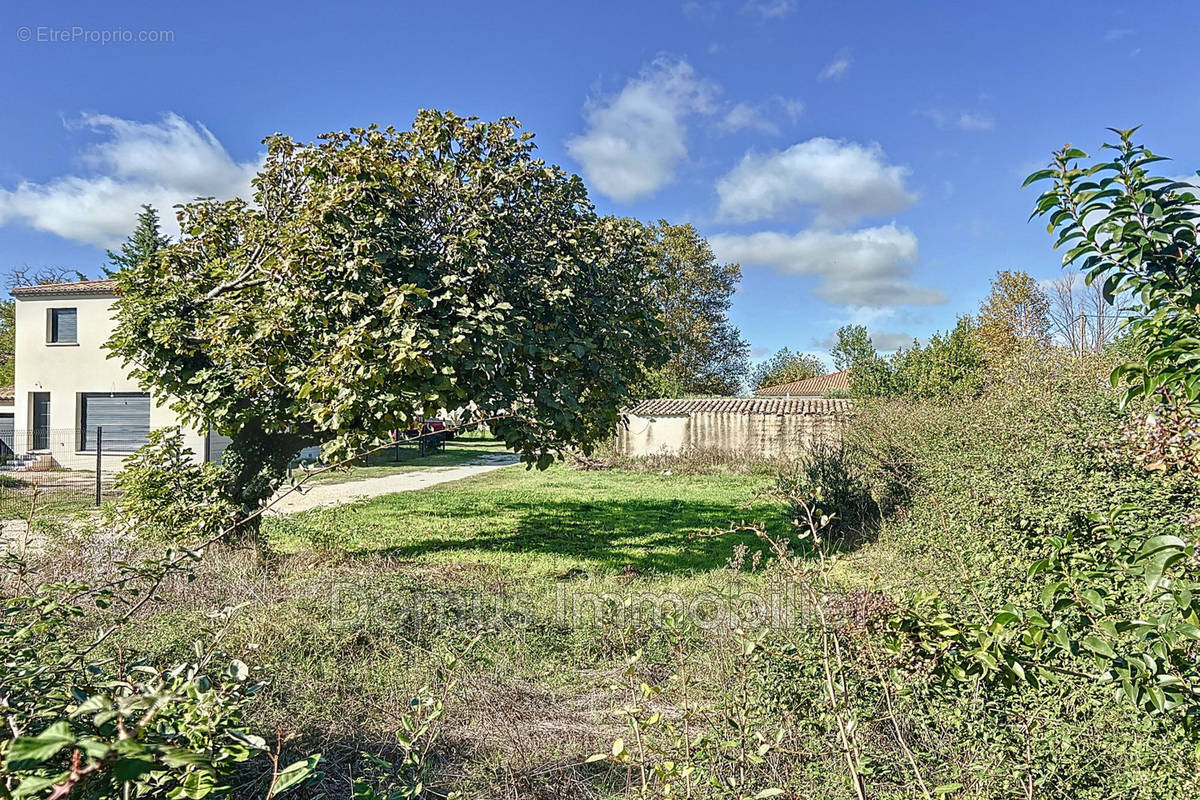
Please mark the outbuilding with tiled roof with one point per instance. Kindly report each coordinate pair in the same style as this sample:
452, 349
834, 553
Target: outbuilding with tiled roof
753, 426
834, 383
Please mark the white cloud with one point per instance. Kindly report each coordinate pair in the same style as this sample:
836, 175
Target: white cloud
162, 163
792, 107
890, 341
744, 116
636, 139
871, 267
843, 180
771, 9
975, 121
835, 69
963, 120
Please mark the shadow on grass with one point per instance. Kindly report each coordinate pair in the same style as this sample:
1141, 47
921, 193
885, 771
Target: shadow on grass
652, 536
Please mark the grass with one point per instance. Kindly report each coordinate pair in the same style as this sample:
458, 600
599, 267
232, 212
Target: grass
539, 522
361, 600
53, 495
406, 458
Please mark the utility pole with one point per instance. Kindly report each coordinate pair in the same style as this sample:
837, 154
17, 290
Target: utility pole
1082, 333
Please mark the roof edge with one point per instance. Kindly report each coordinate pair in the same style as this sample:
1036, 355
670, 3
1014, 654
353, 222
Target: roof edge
103, 288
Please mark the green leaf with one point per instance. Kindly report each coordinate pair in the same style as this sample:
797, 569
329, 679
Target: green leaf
28, 752
1040, 175
1158, 565
1156, 543
294, 774
618, 747
36, 784
1097, 645
1094, 600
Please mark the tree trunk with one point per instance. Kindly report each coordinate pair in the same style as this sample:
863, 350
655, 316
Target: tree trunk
256, 463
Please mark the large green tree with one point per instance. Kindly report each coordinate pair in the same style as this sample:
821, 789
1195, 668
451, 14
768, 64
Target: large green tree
379, 275
693, 292
785, 366
1015, 314
143, 246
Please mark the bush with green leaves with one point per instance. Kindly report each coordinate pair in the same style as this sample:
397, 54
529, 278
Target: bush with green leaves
1103, 624
84, 721
1137, 233
832, 470
163, 492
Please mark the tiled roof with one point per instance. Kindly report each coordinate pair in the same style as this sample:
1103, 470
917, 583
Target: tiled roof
102, 287
819, 386
666, 406
7, 394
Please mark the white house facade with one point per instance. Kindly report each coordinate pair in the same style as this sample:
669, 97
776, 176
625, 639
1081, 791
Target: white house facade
66, 387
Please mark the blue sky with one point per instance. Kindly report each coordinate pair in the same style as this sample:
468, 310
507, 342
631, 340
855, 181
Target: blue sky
862, 160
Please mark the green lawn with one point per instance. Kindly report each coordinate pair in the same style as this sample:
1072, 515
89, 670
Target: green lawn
406, 458
542, 522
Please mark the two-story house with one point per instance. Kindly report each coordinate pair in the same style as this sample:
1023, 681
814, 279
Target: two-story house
66, 386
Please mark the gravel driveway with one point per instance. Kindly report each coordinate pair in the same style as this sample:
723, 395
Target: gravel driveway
334, 494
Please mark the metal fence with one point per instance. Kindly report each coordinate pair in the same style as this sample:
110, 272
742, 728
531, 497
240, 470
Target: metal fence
59, 469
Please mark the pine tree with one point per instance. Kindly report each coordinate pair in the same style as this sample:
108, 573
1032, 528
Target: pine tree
142, 246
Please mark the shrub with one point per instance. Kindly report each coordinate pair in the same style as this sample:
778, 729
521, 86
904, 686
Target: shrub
990, 479
165, 494
1006, 581
832, 473
81, 723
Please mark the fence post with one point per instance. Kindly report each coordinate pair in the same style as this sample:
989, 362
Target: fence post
99, 452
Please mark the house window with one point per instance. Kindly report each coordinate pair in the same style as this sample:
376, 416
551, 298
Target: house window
63, 327
124, 418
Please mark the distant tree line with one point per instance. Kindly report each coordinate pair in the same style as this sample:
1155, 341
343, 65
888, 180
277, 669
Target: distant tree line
1017, 319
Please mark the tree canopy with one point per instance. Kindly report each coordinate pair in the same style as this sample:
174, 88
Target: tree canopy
852, 345
379, 275
950, 364
1015, 312
693, 292
869, 372
785, 366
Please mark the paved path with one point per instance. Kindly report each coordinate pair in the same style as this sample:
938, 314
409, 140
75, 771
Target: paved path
334, 494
